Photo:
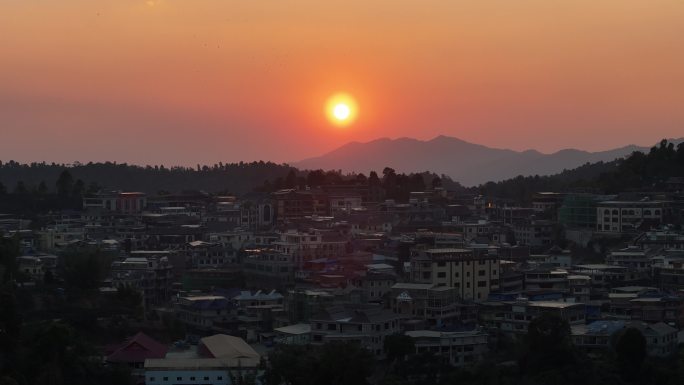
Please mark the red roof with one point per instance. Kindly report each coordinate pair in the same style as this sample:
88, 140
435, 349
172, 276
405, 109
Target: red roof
137, 349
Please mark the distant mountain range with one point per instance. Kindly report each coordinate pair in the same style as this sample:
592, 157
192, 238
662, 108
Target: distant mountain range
467, 163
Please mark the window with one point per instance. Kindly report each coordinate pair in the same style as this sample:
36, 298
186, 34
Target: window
219, 378
441, 264
166, 378
152, 378
481, 273
192, 378
179, 378
441, 275
206, 378
332, 327
482, 284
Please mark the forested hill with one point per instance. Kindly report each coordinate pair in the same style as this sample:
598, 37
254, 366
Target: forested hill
236, 178
638, 171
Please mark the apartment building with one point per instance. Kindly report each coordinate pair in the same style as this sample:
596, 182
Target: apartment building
474, 275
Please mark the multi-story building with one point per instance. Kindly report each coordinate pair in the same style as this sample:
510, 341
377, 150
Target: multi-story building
200, 313
518, 315
268, 268
304, 246
367, 325
454, 348
432, 305
622, 216
534, 233
375, 286
123, 202
546, 279
291, 204
661, 339
474, 275
257, 212
151, 275
201, 254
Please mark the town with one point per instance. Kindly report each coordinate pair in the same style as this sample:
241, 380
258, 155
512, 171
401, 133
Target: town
192, 287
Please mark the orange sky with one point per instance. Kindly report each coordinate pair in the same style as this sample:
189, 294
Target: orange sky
202, 81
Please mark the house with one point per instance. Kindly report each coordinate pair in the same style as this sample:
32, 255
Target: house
457, 348
297, 334
200, 313
216, 360
661, 339
518, 315
134, 351
367, 325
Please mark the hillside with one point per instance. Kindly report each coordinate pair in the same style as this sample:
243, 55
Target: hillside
467, 163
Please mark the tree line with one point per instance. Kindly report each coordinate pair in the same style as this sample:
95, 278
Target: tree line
638, 171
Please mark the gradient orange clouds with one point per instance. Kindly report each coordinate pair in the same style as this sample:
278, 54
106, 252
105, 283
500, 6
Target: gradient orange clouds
188, 81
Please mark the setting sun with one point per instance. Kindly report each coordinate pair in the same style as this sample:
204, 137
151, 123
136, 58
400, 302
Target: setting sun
341, 109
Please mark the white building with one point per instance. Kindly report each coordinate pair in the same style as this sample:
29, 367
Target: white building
619, 216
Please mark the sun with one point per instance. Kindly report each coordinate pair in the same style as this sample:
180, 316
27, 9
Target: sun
341, 109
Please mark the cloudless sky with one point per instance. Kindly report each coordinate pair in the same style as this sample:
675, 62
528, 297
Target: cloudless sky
202, 81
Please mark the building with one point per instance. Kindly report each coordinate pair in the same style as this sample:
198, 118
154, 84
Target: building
122, 202
518, 315
435, 306
474, 275
623, 216
578, 211
200, 313
150, 275
134, 351
216, 360
454, 348
661, 339
546, 279
367, 325
304, 246
268, 268
534, 233
297, 334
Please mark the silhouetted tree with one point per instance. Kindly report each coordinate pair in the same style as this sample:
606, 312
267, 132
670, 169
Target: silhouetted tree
20, 189
78, 189
398, 346
65, 183
42, 188
631, 353
291, 179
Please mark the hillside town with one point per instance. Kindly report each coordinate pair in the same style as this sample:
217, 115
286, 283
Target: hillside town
199, 288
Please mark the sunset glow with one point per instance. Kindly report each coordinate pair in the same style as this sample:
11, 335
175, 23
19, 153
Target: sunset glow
341, 109
206, 81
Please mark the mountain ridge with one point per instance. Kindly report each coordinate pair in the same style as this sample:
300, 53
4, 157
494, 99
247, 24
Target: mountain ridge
465, 162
